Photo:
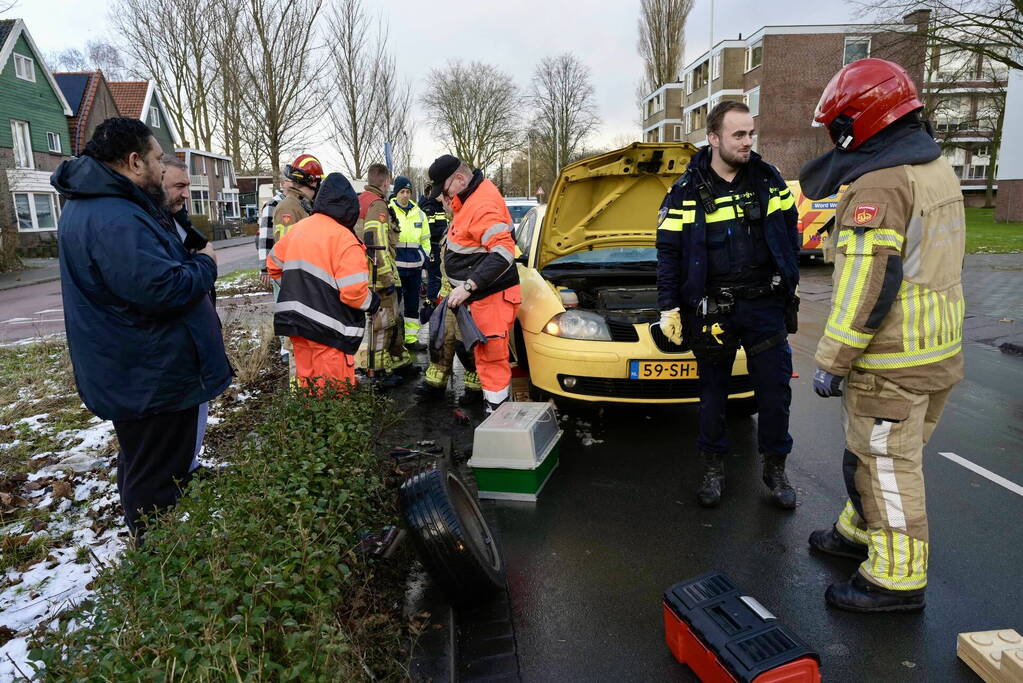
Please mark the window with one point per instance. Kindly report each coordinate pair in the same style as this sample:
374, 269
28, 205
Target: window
200, 202
716, 66
216, 167
754, 55
714, 101
24, 68
952, 113
524, 233
698, 76
53, 142
35, 210
752, 100
677, 133
956, 65
689, 82
956, 156
982, 151
856, 48
198, 164
697, 118
154, 117
22, 145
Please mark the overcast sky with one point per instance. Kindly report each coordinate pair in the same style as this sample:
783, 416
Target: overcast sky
513, 35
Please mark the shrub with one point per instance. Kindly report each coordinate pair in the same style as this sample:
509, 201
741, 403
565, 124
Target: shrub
257, 574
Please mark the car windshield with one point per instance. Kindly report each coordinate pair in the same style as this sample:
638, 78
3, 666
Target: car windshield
517, 211
603, 258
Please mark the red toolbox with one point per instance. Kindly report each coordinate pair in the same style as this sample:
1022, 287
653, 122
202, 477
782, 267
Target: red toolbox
726, 637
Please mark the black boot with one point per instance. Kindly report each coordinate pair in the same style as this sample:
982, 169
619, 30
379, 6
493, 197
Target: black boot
831, 542
782, 493
859, 595
709, 493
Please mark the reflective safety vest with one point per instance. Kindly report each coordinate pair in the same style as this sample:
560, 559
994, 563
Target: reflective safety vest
321, 266
413, 235
897, 307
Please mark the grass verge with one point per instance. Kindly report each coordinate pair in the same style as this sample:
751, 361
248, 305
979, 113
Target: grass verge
985, 236
258, 573
239, 283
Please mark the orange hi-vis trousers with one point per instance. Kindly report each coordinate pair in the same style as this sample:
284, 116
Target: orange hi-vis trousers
495, 316
324, 363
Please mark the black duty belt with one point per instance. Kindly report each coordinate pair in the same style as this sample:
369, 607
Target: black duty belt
744, 291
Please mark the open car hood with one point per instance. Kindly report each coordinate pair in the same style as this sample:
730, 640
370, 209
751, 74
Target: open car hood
610, 200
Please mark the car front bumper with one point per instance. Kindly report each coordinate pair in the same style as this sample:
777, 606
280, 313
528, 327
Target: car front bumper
599, 371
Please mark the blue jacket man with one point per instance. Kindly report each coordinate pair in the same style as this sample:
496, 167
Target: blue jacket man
142, 329
727, 272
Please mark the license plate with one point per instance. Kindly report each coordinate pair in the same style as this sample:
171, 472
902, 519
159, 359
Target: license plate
662, 369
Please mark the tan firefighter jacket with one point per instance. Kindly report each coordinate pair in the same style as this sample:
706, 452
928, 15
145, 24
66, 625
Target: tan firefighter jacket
897, 305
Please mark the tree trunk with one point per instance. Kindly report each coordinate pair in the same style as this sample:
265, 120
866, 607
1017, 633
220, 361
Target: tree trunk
996, 141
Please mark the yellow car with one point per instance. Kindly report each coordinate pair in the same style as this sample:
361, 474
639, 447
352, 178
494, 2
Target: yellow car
588, 328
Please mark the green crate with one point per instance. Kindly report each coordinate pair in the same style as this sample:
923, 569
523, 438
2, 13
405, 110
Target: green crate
501, 483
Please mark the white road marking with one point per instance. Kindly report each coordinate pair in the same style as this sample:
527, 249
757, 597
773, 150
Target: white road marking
50, 310
987, 474
29, 321
15, 320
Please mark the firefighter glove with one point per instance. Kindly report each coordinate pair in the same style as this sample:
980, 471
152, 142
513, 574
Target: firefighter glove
671, 325
825, 384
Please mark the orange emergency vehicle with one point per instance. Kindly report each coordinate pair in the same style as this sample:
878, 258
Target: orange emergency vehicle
815, 219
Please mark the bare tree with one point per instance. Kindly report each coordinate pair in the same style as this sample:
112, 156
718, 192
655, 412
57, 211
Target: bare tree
96, 55
356, 56
396, 114
564, 111
472, 107
281, 63
970, 46
662, 41
172, 43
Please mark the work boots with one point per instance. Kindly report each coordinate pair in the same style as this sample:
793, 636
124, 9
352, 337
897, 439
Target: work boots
782, 493
859, 595
709, 493
830, 542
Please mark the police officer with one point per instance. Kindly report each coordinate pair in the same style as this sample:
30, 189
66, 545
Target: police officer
894, 332
727, 270
411, 255
438, 229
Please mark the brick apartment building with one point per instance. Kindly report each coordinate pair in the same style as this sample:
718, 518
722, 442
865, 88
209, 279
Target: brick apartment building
779, 71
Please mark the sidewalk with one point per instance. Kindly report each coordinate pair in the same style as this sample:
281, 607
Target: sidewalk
39, 270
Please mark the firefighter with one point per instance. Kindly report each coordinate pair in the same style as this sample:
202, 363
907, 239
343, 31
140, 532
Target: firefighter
479, 259
325, 295
727, 270
304, 174
390, 355
411, 255
298, 187
438, 229
894, 331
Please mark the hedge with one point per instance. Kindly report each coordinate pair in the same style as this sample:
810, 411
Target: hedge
258, 573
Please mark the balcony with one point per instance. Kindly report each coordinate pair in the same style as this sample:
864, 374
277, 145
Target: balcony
199, 180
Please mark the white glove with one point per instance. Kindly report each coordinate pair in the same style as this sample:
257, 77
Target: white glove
671, 325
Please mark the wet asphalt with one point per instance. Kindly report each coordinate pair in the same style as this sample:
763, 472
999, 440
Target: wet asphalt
618, 524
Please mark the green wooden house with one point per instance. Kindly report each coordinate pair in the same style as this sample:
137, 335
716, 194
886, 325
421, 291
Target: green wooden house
142, 100
34, 140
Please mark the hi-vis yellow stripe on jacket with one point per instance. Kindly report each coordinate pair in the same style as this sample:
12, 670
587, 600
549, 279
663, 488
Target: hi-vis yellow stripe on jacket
897, 306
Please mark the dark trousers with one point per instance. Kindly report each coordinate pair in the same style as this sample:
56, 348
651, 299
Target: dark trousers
752, 322
411, 281
433, 277
152, 467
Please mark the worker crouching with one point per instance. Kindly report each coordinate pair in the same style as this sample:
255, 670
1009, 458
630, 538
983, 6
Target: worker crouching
325, 296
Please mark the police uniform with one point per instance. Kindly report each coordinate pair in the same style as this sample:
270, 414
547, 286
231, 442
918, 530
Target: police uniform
410, 256
727, 256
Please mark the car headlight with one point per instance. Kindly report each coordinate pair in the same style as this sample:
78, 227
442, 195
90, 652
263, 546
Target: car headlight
576, 324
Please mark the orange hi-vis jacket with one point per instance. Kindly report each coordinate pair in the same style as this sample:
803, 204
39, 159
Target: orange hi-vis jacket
480, 244
324, 284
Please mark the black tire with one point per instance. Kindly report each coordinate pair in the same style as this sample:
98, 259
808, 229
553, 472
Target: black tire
450, 534
743, 407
